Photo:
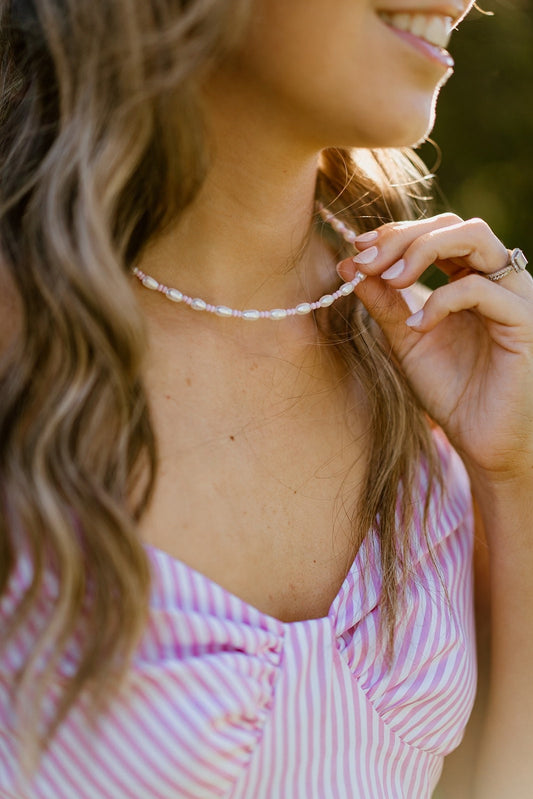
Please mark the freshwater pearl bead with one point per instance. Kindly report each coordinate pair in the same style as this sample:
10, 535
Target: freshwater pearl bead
346, 289
223, 310
198, 304
150, 282
339, 226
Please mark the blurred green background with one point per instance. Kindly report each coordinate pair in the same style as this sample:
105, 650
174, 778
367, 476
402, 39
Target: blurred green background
484, 125
484, 130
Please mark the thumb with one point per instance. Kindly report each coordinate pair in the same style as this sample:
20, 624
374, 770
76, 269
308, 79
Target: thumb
389, 307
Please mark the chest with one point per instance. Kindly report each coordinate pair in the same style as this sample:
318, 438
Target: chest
258, 483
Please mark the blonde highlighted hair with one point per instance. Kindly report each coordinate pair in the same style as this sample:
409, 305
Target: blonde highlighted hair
101, 147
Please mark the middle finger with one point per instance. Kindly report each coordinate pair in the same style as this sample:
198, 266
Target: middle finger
402, 256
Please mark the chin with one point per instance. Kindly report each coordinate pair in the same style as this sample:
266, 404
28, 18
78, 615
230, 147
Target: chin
413, 135
407, 134
405, 122
406, 129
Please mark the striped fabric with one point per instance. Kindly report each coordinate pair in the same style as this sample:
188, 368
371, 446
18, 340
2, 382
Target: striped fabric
226, 701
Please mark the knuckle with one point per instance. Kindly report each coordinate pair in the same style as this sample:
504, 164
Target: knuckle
449, 218
383, 227
397, 228
479, 225
471, 283
426, 244
427, 237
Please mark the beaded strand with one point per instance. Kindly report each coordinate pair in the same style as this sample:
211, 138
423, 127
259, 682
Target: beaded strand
198, 304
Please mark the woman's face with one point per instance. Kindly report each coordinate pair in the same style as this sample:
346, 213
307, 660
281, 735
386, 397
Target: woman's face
340, 72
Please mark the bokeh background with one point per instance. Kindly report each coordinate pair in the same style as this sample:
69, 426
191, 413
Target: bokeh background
484, 130
484, 125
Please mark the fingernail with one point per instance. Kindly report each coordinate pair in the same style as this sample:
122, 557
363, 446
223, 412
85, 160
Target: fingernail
366, 257
394, 271
415, 320
364, 237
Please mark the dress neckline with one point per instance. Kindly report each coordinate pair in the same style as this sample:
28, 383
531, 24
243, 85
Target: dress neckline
357, 568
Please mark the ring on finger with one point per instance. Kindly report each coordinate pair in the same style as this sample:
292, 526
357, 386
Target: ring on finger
517, 263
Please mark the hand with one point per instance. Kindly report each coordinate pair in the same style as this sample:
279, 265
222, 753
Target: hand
469, 354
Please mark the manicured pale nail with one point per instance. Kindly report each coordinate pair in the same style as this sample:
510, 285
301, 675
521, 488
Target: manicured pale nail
415, 320
366, 257
364, 237
394, 271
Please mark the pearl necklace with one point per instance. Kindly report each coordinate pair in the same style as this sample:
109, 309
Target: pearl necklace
198, 304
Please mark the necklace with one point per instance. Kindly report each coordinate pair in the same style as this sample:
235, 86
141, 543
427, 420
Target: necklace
198, 304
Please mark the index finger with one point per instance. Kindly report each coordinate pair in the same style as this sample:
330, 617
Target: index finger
389, 241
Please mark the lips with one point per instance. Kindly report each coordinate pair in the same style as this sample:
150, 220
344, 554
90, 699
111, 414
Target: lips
436, 29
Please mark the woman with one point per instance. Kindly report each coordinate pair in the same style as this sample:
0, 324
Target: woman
283, 607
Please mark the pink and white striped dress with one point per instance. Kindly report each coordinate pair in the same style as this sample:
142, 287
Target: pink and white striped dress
226, 701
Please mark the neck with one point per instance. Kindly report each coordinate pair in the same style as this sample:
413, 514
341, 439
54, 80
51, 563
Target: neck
248, 239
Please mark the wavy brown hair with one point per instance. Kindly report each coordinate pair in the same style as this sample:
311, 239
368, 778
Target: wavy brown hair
101, 147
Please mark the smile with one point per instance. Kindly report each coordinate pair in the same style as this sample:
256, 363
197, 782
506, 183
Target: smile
435, 29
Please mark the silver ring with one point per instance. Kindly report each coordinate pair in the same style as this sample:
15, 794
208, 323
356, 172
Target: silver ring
517, 263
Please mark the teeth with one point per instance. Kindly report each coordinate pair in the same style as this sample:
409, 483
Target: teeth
439, 31
402, 21
433, 28
418, 25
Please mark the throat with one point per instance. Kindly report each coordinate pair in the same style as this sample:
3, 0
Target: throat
266, 474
